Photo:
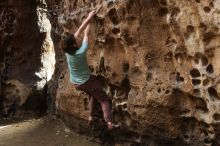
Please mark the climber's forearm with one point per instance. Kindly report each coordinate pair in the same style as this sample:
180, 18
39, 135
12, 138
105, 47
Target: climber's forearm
84, 24
87, 30
82, 27
86, 33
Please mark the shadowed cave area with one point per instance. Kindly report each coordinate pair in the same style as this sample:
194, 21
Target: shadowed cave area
159, 60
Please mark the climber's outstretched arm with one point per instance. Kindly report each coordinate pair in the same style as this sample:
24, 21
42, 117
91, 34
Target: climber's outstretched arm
86, 33
84, 24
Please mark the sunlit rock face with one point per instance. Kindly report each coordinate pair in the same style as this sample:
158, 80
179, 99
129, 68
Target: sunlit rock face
160, 60
27, 51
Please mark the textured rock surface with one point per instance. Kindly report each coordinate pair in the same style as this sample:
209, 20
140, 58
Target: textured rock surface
27, 52
15, 94
160, 60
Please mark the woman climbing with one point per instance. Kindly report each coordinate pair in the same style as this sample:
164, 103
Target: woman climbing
80, 74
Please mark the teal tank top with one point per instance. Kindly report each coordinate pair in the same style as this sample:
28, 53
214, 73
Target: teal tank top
78, 66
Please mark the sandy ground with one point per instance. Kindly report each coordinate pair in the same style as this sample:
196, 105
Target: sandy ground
40, 132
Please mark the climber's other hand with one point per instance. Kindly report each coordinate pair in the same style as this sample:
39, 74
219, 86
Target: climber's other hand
92, 14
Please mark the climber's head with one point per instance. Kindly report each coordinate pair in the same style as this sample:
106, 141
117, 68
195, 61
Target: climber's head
69, 43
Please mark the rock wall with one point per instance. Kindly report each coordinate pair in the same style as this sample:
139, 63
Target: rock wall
159, 59
27, 54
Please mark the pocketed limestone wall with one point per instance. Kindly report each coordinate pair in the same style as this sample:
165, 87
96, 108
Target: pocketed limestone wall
158, 58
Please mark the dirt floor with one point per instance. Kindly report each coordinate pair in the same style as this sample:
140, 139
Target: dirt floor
40, 132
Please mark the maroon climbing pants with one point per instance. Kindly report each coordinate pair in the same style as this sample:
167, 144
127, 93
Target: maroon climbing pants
94, 88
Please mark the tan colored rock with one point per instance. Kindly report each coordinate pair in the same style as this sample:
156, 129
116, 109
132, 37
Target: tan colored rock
162, 56
15, 94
